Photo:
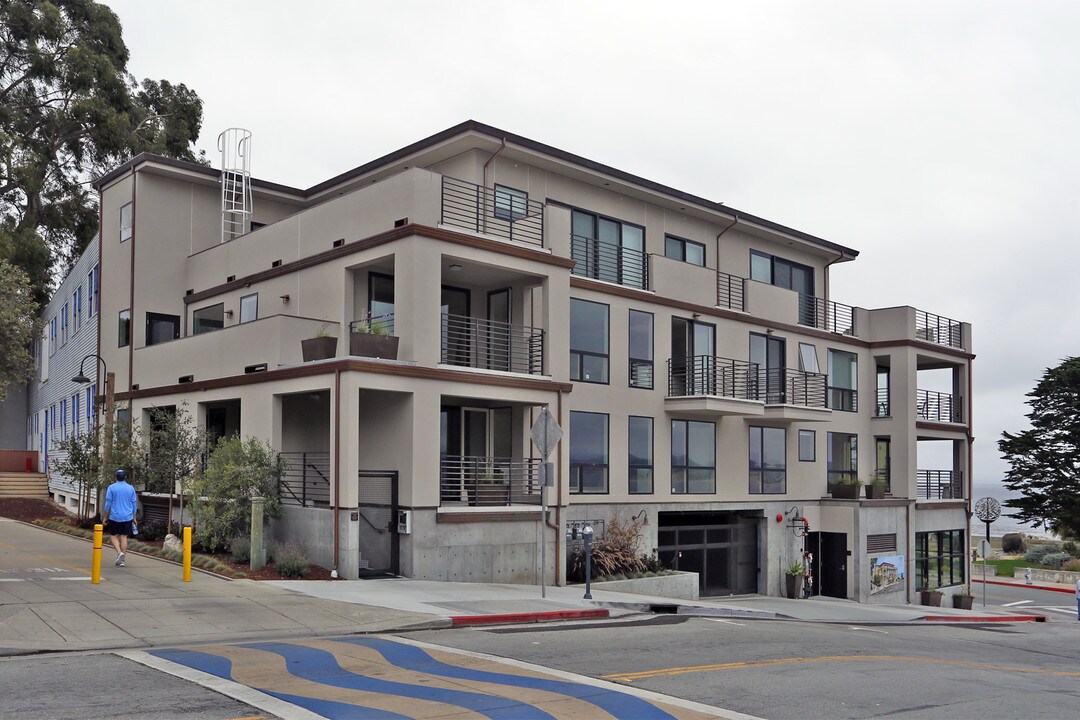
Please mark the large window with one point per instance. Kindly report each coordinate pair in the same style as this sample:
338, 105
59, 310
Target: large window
381, 295
588, 341
208, 319
607, 249
123, 330
883, 461
843, 458
92, 281
843, 380
685, 250
641, 349
161, 328
588, 453
510, 204
807, 446
940, 559
640, 455
126, 224
790, 275
54, 327
64, 325
693, 457
249, 307
768, 460
76, 310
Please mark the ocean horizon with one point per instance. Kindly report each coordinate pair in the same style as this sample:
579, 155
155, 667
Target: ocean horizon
1004, 524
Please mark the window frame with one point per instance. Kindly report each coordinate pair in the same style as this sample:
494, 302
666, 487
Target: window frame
812, 434
123, 329
686, 453
64, 325
508, 209
832, 471
632, 482
255, 316
155, 318
765, 467
634, 364
127, 231
842, 398
680, 243
196, 322
577, 356
576, 487
76, 310
927, 557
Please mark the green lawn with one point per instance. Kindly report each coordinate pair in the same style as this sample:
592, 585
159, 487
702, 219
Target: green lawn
1005, 567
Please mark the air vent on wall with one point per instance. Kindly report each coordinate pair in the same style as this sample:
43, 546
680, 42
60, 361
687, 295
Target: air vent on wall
259, 367
402, 222
185, 379
135, 387
886, 542
191, 291
339, 243
230, 278
276, 263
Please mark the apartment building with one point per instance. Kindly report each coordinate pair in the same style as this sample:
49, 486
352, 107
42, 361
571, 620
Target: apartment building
57, 406
705, 381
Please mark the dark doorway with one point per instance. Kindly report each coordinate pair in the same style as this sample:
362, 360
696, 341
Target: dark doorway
378, 515
830, 563
722, 547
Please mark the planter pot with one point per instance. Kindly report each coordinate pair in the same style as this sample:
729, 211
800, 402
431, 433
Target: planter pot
962, 603
376, 346
793, 585
845, 492
318, 348
930, 597
874, 492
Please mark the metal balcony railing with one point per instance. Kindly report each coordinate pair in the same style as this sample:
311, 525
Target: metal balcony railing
844, 399
478, 481
938, 330
708, 375
381, 324
610, 263
492, 212
883, 407
939, 484
784, 386
730, 291
306, 480
938, 406
489, 345
826, 315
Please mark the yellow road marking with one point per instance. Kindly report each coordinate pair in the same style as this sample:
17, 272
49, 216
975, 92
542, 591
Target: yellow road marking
668, 672
49, 558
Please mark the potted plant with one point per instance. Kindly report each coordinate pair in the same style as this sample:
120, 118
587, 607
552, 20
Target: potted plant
372, 339
846, 488
875, 489
793, 579
963, 599
321, 347
929, 597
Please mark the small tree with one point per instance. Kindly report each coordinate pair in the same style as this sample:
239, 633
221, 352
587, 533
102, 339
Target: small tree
175, 447
239, 469
80, 461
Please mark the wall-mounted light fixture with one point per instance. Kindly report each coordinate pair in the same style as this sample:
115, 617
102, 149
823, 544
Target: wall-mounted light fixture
285, 299
455, 267
228, 313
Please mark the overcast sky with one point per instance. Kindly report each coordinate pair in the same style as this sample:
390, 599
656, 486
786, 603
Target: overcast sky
941, 140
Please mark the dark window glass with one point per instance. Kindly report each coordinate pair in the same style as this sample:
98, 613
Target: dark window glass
807, 446
640, 452
641, 349
607, 249
510, 204
939, 559
693, 457
161, 328
768, 461
381, 294
843, 380
588, 452
686, 250
588, 341
124, 329
843, 457
208, 319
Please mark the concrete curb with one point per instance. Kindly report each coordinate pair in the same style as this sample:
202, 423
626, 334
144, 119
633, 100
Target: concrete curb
528, 617
984, 618
1048, 588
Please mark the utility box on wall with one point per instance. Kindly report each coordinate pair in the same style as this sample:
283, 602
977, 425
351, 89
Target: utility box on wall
404, 522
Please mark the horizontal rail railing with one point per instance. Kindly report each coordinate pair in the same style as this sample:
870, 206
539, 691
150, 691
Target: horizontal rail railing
938, 330
379, 324
934, 406
784, 386
841, 398
940, 484
883, 407
306, 480
826, 315
730, 291
491, 212
708, 375
491, 481
610, 263
489, 345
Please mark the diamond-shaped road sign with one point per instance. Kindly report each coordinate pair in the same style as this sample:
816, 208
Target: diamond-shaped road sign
546, 433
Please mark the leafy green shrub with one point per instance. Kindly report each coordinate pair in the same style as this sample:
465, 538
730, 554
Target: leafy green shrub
240, 548
1071, 547
1056, 559
1013, 543
152, 530
291, 560
1038, 552
651, 564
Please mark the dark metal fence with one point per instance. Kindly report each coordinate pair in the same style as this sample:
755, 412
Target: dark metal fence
609, 262
938, 406
478, 343
826, 315
730, 291
492, 212
708, 375
306, 480
476, 481
794, 387
844, 399
940, 484
938, 330
883, 408
379, 324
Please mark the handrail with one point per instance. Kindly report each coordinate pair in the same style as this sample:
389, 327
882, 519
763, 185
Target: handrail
940, 484
730, 291
938, 330
708, 375
934, 406
609, 262
826, 315
486, 210
491, 345
306, 480
480, 480
381, 324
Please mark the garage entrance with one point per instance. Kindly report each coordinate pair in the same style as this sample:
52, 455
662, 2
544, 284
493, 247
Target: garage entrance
722, 547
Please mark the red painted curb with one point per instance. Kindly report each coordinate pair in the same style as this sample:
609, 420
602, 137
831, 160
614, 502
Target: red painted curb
985, 618
532, 617
1069, 591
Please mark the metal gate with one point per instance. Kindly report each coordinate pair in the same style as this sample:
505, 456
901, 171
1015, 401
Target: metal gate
378, 494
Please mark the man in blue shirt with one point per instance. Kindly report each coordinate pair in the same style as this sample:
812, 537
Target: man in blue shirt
119, 514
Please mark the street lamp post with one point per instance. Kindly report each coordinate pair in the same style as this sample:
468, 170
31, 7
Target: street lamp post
110, 410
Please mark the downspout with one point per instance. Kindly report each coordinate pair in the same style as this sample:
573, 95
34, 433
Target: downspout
131, 294
490, 160
971, 467
559, 499
337, 465
734, 222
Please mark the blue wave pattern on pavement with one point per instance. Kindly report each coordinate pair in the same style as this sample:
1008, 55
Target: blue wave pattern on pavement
409, 657
222, 668
322, 667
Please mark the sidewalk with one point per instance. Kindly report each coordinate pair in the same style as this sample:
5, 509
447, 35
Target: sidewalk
47, 602
1052, 587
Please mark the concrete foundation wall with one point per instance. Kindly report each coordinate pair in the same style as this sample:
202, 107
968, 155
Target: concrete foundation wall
683, 585
314, 529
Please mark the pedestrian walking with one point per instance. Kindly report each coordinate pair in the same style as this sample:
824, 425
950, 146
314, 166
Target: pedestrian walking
119, 514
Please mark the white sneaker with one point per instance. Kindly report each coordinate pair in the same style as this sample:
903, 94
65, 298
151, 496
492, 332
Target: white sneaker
120, 560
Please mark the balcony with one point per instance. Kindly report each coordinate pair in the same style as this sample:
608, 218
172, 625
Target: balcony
939, 485
609, 262
938, 330
500, 213
883, 407
475, 481
714, 386
489, 345
730, 291
306, 481
826, 315
794, 395
933, 406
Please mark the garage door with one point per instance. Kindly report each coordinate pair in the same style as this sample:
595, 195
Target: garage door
722, 547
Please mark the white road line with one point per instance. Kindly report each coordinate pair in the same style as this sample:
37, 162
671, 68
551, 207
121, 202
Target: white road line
726, 622
1018, 602
883, 632
1064, 610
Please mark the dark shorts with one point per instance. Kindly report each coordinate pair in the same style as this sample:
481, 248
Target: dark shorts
120, 527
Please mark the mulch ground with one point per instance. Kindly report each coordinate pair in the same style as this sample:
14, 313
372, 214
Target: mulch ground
30, 509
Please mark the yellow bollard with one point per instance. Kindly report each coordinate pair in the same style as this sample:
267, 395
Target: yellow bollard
95, 566
187, 554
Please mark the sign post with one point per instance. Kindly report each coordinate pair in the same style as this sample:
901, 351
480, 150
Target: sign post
545, 434
988, 510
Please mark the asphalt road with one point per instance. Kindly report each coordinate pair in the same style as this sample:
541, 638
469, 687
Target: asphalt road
106, 686
794, 670
1056, 606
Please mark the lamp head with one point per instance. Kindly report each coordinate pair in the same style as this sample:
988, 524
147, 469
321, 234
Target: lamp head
80, 378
